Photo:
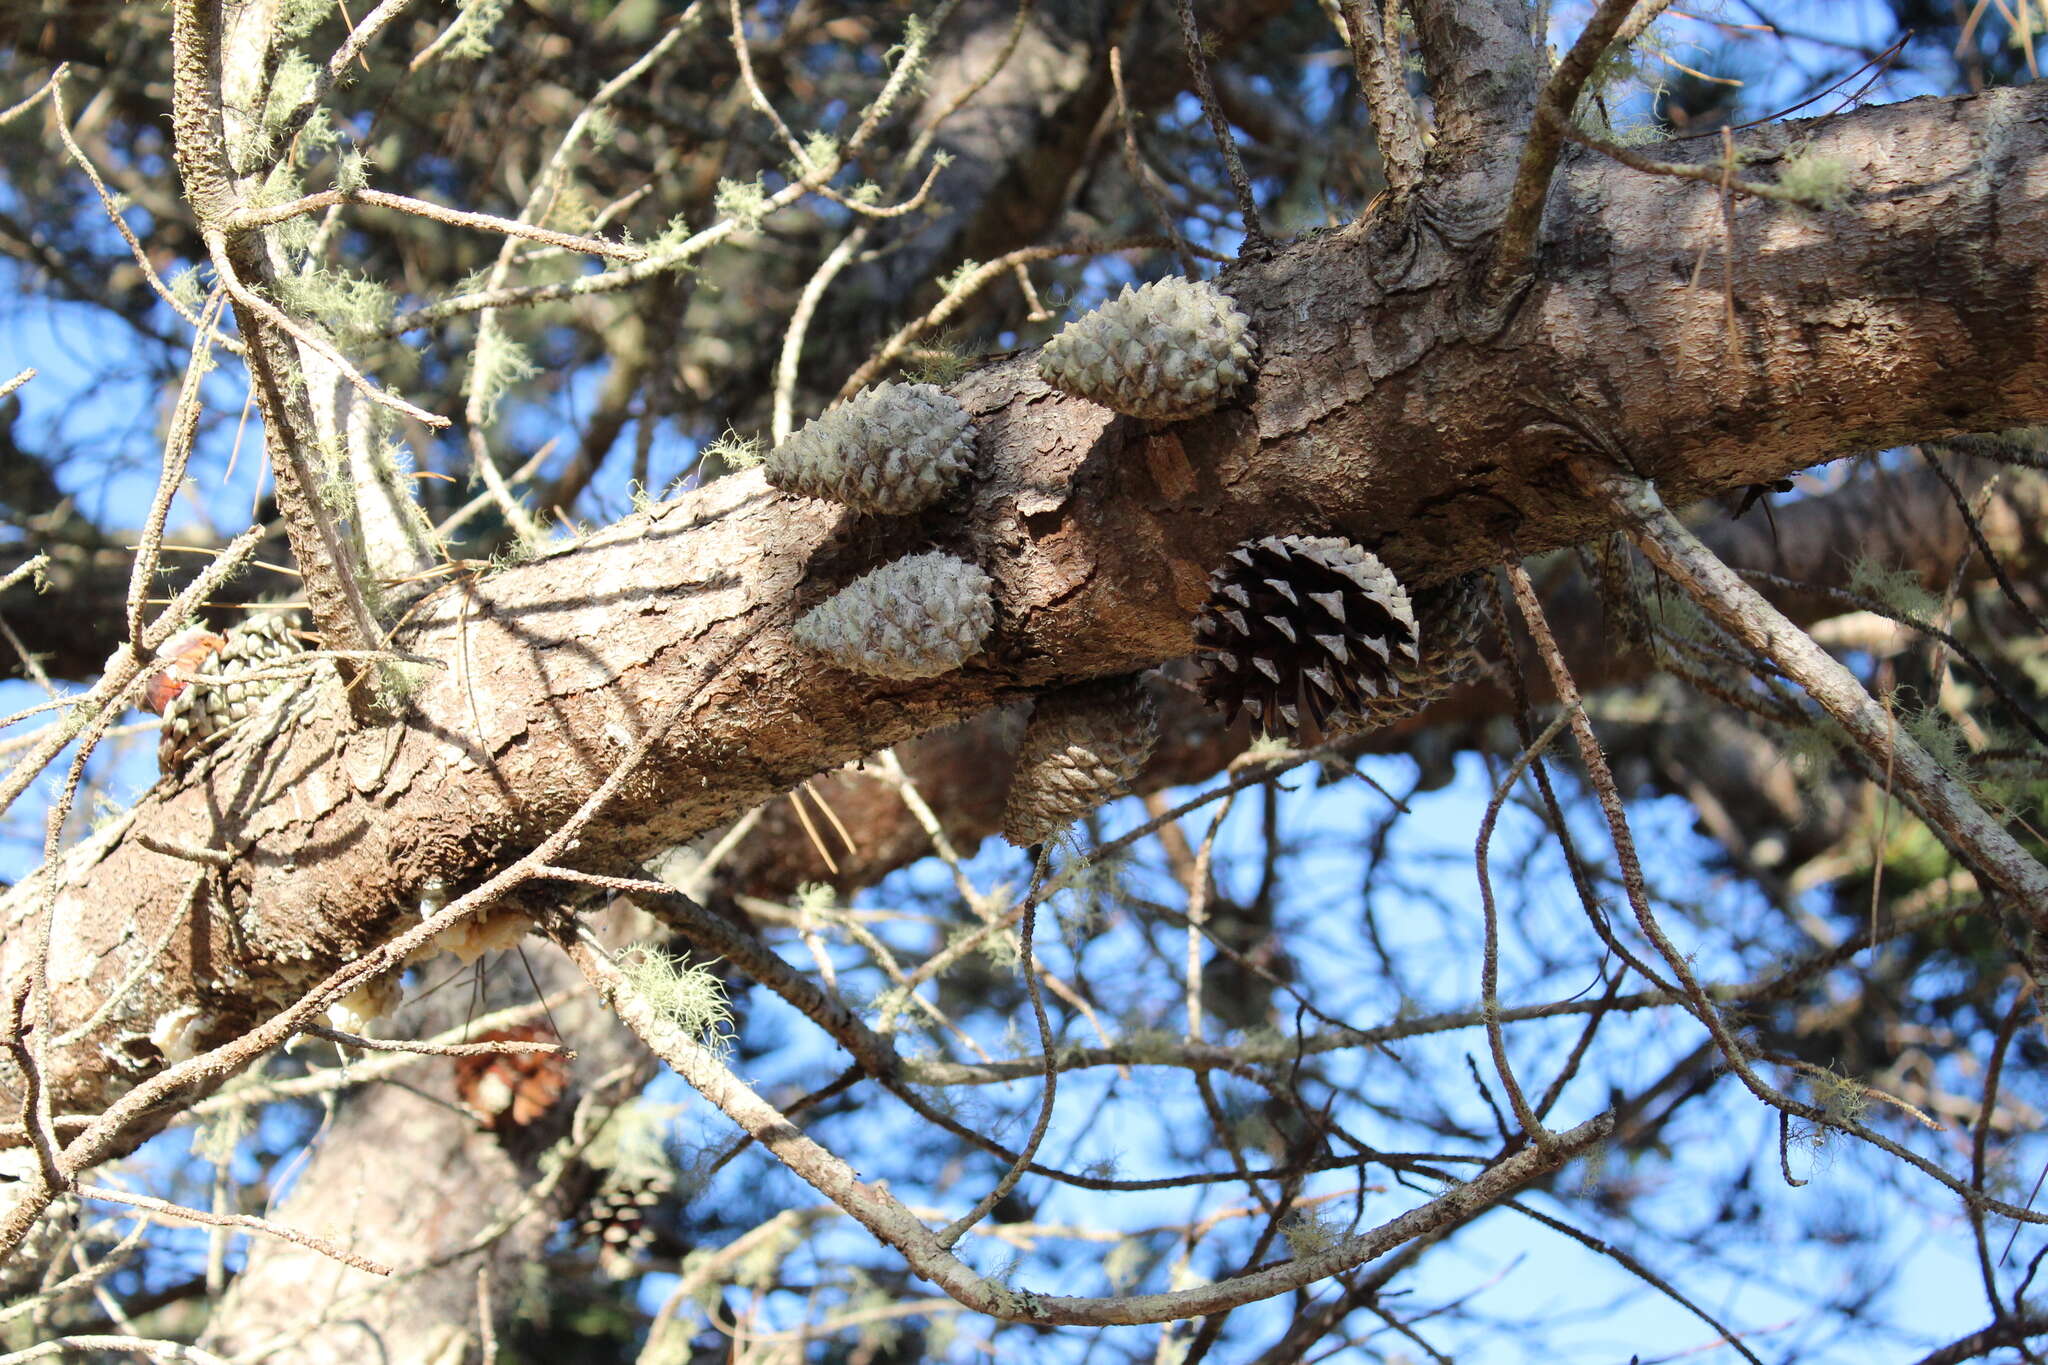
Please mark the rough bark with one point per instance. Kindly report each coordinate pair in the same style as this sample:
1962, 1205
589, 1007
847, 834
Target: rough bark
1898, 519
1387, 409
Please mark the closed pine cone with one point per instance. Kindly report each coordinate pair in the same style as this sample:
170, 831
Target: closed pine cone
204, 689
1085, 745
1174, 349
918, 617
893, 449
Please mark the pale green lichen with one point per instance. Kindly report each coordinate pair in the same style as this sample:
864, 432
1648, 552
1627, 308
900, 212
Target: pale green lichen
1897, 589
1820, 182
735, 451
498, 364
744, 202
1307, 1232
469, 37
686, 994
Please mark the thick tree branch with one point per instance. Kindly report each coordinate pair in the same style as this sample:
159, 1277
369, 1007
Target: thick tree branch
1484, 67
1373, 416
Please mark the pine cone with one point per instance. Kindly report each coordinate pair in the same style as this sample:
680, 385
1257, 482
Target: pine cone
616, 1219
1173, 349
1084, 746
511, 1089
1452, 618
919, 617
199, 693
894, 449
1302, 621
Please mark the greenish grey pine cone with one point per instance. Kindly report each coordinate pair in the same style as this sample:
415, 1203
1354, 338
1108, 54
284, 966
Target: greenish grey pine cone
1084, 747
219, 696
1174, 349
894, 449
1451, 620
918, 617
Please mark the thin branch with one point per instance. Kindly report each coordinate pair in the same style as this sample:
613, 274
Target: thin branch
1515, 254
876, 1209
176, 1351
495, 1048
1376, 59
1716, 175
1140, 173
163, 1208
1042, 856
269, 312
1255, 239
268, 215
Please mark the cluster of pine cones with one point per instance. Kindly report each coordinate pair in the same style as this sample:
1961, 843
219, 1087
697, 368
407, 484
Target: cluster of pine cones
1308, 634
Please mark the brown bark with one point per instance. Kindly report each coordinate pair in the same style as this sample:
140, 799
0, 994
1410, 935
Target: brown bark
1388, 408
1895, 518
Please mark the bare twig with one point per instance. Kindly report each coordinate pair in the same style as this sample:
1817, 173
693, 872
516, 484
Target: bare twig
267, 215
1515, 253
176, 1351
1141, 173
876, 1209
1051, 1074
496, 1047
1255, 239
163, 1208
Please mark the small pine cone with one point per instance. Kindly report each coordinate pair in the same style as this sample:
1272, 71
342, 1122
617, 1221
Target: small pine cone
919, 617
200, 693
1173, 349
616, 1219
1451, 618
894, 449
511, 1089
1084, 746
1297, 622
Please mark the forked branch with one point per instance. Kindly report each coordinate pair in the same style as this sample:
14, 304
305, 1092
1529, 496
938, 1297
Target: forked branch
1516, 252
